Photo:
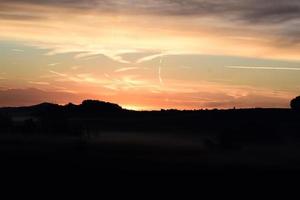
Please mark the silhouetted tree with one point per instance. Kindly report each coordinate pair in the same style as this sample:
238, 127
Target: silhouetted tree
95, 106
295, 103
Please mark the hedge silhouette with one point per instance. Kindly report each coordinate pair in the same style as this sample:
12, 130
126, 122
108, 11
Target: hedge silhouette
295, 103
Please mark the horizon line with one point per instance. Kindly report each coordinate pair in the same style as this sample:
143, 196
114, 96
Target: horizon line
127, 107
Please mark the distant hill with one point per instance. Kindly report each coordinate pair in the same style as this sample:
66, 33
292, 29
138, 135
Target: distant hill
87, 107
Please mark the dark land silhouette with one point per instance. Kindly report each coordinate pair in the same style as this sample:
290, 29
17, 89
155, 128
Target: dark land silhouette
103, 137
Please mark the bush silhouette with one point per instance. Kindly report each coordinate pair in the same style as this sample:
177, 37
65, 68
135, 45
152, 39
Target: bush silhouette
295, 103
95, 105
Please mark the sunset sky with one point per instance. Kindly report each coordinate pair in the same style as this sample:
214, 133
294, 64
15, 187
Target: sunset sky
150, 54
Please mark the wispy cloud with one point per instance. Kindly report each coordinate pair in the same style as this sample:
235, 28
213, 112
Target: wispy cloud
17, 50
163, 26
39, 83
58, 73
123, 82
78, 78
53, 64
264, 68
151, 57
2, 76
125, 69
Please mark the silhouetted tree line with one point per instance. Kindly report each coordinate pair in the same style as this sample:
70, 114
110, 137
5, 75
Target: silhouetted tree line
87, 108
47, 118
232, 128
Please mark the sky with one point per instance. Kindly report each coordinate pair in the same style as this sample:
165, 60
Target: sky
150, 54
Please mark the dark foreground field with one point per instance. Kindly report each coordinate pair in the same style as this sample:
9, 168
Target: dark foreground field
105, 139
63, 154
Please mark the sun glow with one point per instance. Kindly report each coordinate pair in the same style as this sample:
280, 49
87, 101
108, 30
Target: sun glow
137, 107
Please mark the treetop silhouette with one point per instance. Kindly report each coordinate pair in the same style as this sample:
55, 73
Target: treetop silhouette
295, 103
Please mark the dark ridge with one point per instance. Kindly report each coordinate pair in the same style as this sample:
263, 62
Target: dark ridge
103, 137
86, 107
95, 116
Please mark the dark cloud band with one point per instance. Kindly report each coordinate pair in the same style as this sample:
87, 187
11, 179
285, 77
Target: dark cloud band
253, 11
282, 14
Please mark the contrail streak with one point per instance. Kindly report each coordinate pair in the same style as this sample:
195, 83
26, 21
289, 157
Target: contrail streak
264, 68
159, 70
